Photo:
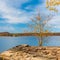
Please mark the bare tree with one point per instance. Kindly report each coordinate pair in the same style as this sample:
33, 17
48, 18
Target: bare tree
38, 25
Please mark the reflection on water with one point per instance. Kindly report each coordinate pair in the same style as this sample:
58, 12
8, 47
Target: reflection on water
9, 42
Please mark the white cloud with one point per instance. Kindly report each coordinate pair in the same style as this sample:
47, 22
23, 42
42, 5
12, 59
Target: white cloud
12, 14
57, 26
16, 20
55, 20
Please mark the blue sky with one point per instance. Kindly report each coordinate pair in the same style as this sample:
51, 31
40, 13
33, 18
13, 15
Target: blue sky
15, 14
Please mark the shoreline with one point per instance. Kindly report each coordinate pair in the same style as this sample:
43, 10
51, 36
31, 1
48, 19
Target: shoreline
26, 52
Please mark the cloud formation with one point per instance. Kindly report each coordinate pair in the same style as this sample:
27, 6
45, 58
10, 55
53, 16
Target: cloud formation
11, 14
15, 12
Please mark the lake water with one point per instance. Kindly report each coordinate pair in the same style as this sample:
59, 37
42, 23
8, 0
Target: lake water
9, 42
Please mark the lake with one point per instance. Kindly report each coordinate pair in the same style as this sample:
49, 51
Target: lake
9, 42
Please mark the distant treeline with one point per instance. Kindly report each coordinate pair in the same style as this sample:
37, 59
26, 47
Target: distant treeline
28, 34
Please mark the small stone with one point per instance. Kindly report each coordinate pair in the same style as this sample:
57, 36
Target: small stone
41, 48
45, 52
25, 45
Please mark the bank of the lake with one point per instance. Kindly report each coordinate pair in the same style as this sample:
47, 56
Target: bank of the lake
26, 52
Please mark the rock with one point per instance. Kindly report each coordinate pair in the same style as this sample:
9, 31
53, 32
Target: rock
43, 48
26, 52
25, 45
1, 58
45, 52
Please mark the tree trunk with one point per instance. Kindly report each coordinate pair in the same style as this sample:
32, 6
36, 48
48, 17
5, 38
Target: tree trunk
40, 41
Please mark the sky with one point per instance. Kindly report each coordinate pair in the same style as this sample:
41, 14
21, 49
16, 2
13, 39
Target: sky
16, 14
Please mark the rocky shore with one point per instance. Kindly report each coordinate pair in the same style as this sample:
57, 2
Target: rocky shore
26, 52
